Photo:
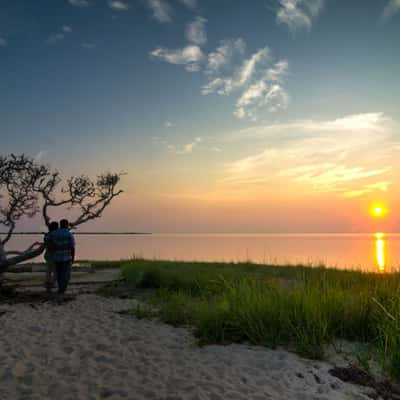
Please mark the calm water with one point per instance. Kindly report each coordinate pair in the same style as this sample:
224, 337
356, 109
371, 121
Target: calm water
376, 252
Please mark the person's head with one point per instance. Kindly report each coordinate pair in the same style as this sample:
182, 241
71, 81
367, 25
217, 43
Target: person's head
64, 224
53, 226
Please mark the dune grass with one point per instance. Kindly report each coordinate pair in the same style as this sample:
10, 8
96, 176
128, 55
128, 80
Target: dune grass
301, 308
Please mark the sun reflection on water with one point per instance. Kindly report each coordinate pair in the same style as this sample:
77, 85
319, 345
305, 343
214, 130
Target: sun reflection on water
380, 251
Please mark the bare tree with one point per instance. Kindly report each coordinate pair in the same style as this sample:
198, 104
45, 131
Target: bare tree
28, 187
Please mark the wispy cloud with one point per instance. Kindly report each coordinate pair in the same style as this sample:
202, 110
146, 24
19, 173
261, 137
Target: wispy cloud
338, 155
380, 186
370, 123
117, 5
241, 76
298, 14
258, 78
192, 4
56, 37
187, 148
59, 36
79, 3
224, 55
265, 92
196, 31
391, 8
88, 45
331, 176
3, 42
190, 56
161, 10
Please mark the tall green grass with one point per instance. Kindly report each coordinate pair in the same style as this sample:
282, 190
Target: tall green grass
301, 308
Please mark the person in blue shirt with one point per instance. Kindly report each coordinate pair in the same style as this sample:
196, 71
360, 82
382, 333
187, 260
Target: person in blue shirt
63, 244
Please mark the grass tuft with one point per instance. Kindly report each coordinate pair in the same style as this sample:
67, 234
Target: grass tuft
301, 308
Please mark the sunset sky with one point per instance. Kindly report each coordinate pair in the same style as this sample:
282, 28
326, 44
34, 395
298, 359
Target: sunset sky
226, 115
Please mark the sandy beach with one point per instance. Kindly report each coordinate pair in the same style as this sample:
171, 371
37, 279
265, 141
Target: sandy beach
85, 349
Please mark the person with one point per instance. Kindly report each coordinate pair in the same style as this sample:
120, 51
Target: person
48, 256
63, 243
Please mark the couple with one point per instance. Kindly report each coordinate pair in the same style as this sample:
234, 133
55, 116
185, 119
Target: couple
59, 255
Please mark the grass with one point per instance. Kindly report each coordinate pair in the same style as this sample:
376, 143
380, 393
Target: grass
301, 308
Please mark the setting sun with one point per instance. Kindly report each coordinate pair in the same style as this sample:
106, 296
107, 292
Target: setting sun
378, 211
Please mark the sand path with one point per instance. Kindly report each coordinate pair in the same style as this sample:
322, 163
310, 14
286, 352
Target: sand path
85, 350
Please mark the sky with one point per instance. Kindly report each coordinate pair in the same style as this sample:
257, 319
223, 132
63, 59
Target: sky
225, 115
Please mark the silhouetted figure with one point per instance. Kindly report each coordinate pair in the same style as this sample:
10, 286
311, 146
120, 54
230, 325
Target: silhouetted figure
51, 272
63, 243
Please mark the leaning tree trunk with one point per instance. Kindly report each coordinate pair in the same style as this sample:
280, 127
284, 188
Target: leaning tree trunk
3, 257
7, 261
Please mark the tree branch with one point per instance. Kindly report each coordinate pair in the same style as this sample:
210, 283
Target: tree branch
30, 248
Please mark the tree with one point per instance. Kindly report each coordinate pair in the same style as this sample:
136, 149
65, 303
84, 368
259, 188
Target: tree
28, 188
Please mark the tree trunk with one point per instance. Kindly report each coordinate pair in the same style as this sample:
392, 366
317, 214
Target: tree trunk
3, 257
24, 256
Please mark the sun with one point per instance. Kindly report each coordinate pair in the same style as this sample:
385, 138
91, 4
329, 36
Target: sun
378, 211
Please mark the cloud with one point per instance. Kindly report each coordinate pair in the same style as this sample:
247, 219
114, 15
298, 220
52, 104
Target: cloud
381, 186
258, 78
188, 148
366, 123
168, 124
260, 95
277, 71
241, 76
3, 42
59, 36
196, 32
192, 4
79, 3
118, 5
298, 14
248, 68
328, 176
224, 54
339, 155
88, 45
190, 56
391, 8
161, 10
185, 149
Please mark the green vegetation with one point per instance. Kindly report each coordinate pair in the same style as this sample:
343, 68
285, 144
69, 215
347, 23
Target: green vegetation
299, 307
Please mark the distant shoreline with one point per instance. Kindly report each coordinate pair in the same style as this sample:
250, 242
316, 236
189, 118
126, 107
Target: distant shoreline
84, 233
